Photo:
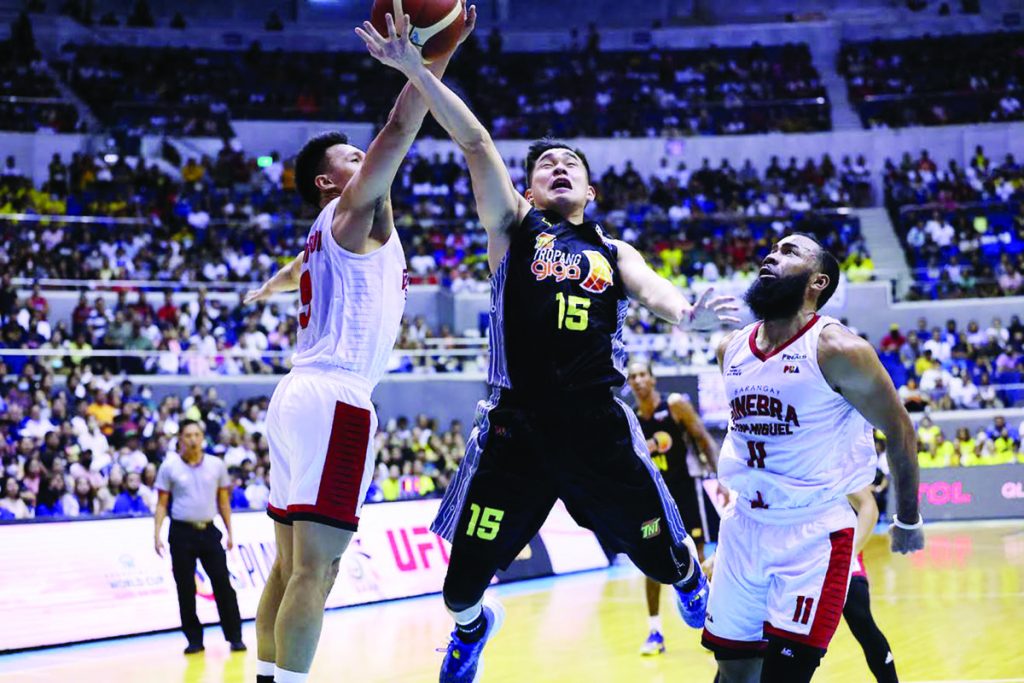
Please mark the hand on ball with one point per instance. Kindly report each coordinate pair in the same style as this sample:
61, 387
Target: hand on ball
396, 49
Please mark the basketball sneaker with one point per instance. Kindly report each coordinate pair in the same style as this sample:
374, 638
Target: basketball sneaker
462, 663
693, 605
654, 645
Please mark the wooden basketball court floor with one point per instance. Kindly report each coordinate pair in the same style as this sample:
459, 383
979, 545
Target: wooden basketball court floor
953, 613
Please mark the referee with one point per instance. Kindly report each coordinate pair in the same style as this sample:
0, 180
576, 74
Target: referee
199, 486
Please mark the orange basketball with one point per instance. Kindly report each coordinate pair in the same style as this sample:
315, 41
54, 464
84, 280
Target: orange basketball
436, 24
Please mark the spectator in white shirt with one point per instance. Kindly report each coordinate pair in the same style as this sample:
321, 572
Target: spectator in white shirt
941, 350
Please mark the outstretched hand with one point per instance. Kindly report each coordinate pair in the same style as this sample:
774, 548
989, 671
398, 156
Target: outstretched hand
707, 314
396, 49
254, 295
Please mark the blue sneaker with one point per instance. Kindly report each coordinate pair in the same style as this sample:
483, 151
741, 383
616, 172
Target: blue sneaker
462, 663
654, 645
693, 606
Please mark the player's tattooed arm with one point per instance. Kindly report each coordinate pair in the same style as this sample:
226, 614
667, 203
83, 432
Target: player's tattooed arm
284, 280
666, 300
863, 502
499, 205
852, 368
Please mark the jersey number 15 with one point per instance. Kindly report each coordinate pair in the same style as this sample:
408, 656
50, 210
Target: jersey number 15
573, 312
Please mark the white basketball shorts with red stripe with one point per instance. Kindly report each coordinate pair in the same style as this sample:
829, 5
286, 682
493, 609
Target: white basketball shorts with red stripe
320, 428
786, 579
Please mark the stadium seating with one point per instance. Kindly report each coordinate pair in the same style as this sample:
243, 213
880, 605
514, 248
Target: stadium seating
935, 80
711, 91
962, 227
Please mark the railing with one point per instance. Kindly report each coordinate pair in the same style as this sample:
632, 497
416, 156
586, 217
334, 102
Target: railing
439, 350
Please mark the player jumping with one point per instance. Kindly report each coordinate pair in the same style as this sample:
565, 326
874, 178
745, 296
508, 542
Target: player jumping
352, 283
802, 389
552, 428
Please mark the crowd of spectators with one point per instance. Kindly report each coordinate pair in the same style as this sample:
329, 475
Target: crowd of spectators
962, 227
91, 445
581, 91
954, 367
936, 80
997, 444
229, 219
29, 99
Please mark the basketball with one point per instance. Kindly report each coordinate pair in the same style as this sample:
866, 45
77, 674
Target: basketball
436, 24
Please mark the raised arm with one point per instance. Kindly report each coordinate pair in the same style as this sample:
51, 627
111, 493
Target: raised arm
666, 300
369, 189
499, 205
852, 368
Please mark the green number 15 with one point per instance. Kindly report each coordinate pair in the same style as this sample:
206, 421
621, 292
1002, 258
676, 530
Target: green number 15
573, 316
484, 524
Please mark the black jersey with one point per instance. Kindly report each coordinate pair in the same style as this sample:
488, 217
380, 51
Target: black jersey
671, 451
557, 307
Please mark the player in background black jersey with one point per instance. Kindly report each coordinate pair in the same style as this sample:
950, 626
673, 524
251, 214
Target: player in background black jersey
857, 610
553, 429
670, 423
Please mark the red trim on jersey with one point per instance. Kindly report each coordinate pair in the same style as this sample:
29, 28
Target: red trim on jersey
744, 648
278, 515
341, 480
832, 596
763, 356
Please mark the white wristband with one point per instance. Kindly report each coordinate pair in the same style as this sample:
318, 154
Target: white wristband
909, 527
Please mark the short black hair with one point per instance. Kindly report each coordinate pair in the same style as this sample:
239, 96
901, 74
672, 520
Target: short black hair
644, 362
828, 265
538, 148
188, 422
309, 163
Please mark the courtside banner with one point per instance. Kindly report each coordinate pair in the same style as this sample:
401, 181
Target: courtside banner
956, 493
65, 582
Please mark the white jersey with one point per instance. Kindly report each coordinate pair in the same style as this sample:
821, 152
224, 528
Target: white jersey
350, 305
794, 446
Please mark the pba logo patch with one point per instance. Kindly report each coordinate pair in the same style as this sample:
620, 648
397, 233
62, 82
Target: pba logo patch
791, 370
651, 528
600, 276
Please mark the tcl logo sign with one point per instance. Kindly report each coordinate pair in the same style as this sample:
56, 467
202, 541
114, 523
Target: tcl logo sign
1013, 489
943, 493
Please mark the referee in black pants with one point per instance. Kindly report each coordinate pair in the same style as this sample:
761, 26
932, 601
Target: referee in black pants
198, 485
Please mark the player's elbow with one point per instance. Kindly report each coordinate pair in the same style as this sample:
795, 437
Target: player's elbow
475, 142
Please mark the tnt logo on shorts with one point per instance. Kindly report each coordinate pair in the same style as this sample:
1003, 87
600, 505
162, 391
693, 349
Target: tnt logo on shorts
651, 528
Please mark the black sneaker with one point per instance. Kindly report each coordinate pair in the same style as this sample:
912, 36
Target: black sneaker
238, 646
194, 649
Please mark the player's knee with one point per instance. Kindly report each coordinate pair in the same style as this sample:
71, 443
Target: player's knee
315, 576
281, 570
332, 573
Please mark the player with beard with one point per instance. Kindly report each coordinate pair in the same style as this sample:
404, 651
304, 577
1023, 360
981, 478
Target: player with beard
803, 392
553, 429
